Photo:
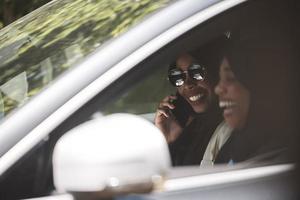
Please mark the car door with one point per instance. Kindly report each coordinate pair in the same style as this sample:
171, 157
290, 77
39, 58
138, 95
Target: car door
127, 76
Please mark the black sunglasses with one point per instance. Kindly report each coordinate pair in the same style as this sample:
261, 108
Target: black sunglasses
177, 76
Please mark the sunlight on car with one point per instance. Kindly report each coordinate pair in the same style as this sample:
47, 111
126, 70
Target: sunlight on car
42, 45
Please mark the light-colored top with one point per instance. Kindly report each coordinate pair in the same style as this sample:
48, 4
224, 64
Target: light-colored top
217, 140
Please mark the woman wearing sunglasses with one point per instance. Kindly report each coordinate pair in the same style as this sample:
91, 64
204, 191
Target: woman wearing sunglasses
189, 118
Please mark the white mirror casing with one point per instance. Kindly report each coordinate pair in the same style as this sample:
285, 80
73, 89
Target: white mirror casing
110, 153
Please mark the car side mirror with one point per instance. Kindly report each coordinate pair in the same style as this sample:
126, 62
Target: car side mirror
115, 154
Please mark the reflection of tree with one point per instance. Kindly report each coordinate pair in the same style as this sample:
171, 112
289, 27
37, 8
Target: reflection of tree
49, 31
11, 10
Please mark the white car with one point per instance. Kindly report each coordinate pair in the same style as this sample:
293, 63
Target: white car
96, 70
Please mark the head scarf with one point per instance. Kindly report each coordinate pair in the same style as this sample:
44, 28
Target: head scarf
261, 60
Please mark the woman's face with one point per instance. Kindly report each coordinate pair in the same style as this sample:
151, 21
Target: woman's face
234, 98
197, 93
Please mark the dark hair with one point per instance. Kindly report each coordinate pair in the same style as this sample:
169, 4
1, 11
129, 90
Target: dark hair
207, 55
211, 55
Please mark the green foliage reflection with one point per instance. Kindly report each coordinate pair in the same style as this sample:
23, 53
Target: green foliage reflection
53, 38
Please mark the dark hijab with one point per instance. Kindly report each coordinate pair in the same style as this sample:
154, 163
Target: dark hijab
260, 60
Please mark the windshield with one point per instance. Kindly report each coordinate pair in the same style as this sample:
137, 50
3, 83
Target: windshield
37, 48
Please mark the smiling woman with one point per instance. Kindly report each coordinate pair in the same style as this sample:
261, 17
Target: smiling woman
196, 91
189, 119
234, 98
248, 94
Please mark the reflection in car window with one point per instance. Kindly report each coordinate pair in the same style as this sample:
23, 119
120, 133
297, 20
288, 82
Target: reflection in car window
39, 47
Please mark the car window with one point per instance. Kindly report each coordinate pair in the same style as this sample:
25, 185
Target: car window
39, 47
143, 97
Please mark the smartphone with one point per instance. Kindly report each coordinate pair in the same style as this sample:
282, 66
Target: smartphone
182, 111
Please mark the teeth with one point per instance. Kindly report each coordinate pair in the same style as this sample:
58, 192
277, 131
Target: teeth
196, 97
226, 104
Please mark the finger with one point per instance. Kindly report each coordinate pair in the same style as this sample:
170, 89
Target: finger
168, 102
163, 112
169, 98
167, 105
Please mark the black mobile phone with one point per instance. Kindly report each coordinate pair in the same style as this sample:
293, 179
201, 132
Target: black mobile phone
182, 111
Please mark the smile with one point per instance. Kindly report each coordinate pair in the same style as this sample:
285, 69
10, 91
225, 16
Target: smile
227, 104
228, 107
196, 97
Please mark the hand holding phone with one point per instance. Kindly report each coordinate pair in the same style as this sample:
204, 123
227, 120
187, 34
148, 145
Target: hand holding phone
172, 115
182, 111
